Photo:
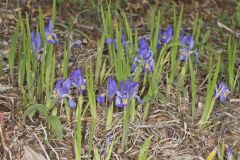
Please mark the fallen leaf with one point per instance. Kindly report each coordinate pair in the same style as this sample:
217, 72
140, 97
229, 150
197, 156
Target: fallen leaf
30, 154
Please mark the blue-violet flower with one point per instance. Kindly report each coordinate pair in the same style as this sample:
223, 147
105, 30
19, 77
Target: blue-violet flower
49, 33
78, 81
221, 91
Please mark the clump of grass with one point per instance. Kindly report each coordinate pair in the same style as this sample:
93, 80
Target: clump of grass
210, 101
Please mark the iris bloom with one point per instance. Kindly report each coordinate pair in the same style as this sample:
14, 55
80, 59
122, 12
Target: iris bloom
127, 91
76, 44
51, 36
62, 90
112, 88
101, 98
36, 43
230, 156
78, 81
187, 48
167, 35
221, 91
143, 49
113, 41
148, 65
145, 54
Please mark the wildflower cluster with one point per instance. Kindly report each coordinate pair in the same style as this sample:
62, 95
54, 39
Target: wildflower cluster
63, 88
36, 40
123, 95
145, 55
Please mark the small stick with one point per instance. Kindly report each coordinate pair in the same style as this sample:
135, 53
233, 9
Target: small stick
221, 25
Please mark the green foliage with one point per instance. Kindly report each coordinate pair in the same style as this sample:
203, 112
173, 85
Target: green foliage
78, 132
109, 153
32, 109
210, 101
153, 92
92, 102
232, 49
144, 150
52, 120
13, 47
193, 87
109, 117
222, 151
65, 62
100, 68
126, 116
237, 13
56, 125
174, 61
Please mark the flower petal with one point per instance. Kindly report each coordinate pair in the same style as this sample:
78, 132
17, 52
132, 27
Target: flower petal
71, 103
112, 87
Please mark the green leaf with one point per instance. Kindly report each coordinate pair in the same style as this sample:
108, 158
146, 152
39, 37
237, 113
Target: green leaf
222, 151
56, 125
110, 151
147, 99
193, 87
31, 111
144, 151
96, 154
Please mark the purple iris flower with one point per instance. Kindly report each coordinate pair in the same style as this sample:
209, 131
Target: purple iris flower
62, 90
148, 65
112, 88
78, 81
166, 35
187, 41
76, 44
187, 48
143, 49
101, 98
145, 54
128, 90
51, 36
221, 91
113, 41
36, 44
230, 156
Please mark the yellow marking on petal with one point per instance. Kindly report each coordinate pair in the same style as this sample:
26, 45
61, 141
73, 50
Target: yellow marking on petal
225, 94
147, 65
83, 87
49, 37
102, 94
184, 53
55, 94
125, 101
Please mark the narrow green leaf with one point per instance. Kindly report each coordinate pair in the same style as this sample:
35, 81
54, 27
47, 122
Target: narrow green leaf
56, 125
31, 111
193, 87
144, 150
